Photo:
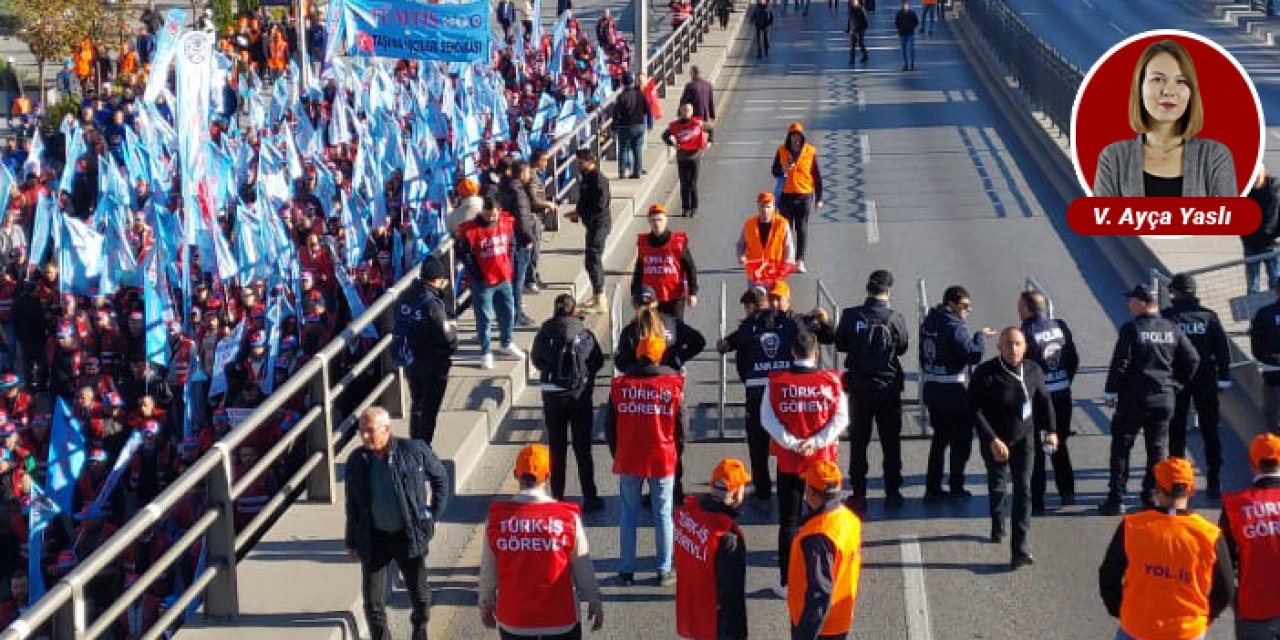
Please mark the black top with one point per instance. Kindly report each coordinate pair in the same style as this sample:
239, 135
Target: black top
1158, 187
1152, 358
1008, 402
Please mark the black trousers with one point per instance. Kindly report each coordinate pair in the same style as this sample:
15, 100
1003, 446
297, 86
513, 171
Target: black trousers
762, 42
883, 409
758, 444
688, 171
673, 308
796, 208
386, 548
533, 276
790, 508
1064, 476
857, 40
1152, 421
573, 634
1016, 470
952, 429
594, 256
426, 393
1205, 398
569, 415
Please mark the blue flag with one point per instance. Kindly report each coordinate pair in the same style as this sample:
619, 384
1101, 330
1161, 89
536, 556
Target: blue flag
274, 318
117, 470
156, 306
79, 257
66, 456
6, 183
41, 513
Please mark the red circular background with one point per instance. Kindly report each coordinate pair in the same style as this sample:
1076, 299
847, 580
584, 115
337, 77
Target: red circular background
1231, 114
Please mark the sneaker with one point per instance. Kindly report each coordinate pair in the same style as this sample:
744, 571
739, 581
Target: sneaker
486, 361
779, 590
1111, 508
627, 579
524, 320
514, 351
800, 267
1021, 560
593, 505
532, 287
666, 578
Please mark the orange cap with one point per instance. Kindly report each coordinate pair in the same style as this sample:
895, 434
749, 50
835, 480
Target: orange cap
796, 127
468, 188
1264, 447
823, 475
729, 475
652, 347
780, 289
1173, 471
657, 209
534, 460
765, 196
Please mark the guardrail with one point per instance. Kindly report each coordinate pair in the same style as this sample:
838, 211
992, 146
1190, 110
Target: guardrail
1049, 80
63, 612
824, 300
1033, 284
922, 311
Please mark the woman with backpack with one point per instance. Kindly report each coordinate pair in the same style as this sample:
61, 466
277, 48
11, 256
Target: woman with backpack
568, 358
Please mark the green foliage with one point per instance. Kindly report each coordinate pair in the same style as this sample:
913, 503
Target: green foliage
52, 28
224, 13
57, 111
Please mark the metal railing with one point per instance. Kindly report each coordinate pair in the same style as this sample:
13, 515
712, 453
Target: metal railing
922, 311
827, 356
1033, 284
1266, 6
597, 129
63, 612
723, 386
1048, 79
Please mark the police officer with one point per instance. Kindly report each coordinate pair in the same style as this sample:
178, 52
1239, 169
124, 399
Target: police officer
874, 336
665, 264
825, 560
1250, 523
946, 353
431, 338
1213, 376
1051, 346
762, 343
1264, 345
1152, 359
711, 559
524, 589
805, 411
1167, 572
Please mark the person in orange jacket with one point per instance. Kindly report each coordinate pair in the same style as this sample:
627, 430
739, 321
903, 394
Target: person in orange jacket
826, 559
766, 247
795, 165
1250, 523
1167, 573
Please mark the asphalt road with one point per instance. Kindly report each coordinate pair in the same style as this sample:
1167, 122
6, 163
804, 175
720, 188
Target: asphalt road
956, 200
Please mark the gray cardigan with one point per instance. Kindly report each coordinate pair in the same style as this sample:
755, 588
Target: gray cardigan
1207, 170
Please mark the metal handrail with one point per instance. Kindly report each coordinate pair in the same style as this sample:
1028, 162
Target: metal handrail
922, 311
822, 295
64, 606
723, 383
1034, 285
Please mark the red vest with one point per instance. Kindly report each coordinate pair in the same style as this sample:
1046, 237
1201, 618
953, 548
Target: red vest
1254, 515
491, 248
534, 544
645, 411
689, 135
697, 541
660, 266
804, 403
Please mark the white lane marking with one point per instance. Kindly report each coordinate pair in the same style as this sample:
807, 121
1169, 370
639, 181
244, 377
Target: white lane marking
873, 236
1117, 27
864, 143
862, 102
917, 599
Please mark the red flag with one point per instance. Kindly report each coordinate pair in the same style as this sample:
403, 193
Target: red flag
766, 272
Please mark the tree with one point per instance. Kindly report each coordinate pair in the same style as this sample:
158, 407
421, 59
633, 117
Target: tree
224, 14
51, 29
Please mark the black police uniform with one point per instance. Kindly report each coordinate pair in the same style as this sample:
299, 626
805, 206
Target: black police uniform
762, 343
1152, 360
1051, 346
1264, 344
874, 388
1205, 331
946, 353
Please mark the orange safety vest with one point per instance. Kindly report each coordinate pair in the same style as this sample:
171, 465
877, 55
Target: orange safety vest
804, 403
776, 247
696, 543
645, 410
1254, 516
491, 248
844, 530
129, 63
534, 544
21, 106
660, 266
84, 62
279, 55
1167, 581
799, 179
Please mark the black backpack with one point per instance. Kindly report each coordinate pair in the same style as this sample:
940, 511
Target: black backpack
872, 347
571, 367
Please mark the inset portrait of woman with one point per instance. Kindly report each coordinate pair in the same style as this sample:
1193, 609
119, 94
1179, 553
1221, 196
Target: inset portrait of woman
1166, 158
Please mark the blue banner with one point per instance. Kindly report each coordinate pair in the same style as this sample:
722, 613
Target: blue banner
406, 29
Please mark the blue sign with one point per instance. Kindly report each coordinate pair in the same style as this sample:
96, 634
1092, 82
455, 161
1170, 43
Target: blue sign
407, 29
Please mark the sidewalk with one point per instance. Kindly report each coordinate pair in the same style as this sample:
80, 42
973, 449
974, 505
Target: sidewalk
303, 551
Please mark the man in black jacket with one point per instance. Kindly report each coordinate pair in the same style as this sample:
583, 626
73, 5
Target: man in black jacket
396, 491
906, 23
514, 197
1009, 401
1266, 192
630, 120
1152, 360
568, 357
435, 339
594, 214
874, 336
1204, 330
762, 20
856, 27
699, 93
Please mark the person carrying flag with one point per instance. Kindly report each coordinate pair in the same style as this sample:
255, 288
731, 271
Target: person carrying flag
766, 247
